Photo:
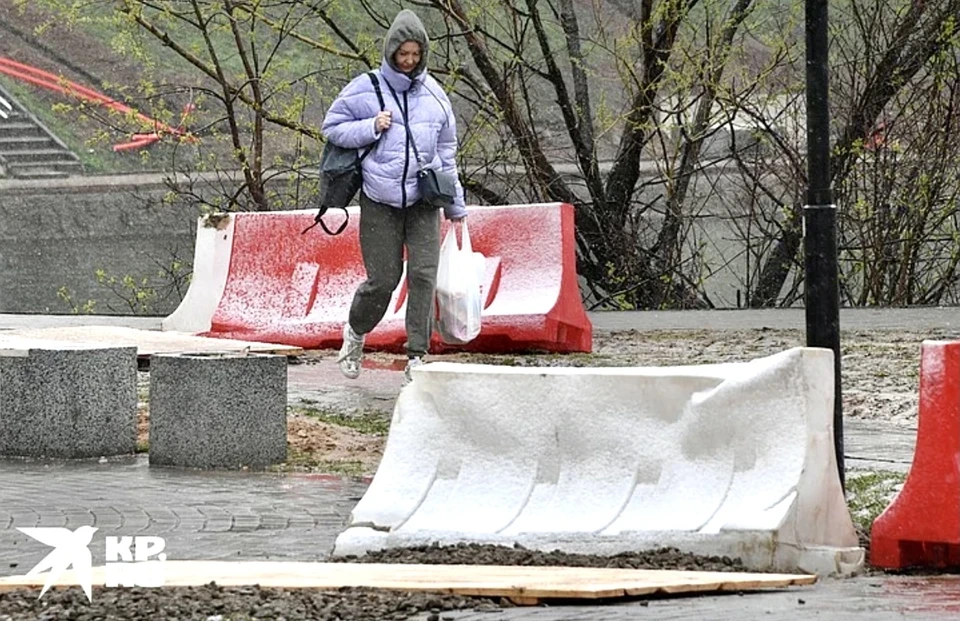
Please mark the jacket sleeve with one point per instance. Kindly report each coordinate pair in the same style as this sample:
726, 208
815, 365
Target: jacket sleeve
346, 124
447, 150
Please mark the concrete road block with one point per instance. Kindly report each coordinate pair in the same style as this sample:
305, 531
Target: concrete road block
219, 410
67, 400
734, 459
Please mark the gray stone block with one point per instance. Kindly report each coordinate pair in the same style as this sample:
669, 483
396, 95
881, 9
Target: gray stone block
221, 410
70, 402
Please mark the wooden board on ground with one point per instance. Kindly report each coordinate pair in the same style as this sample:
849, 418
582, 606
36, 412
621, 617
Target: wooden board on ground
147, 342
523, 585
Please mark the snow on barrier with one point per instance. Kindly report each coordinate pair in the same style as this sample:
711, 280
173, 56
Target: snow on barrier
921, 526
733, 459
262, 280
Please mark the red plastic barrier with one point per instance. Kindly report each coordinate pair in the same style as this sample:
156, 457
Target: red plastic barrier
288, 288
921, 527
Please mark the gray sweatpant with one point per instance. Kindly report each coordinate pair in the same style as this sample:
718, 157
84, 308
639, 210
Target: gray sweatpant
384, 231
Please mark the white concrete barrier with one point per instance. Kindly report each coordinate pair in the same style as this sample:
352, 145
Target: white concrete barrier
733, 459
211, 261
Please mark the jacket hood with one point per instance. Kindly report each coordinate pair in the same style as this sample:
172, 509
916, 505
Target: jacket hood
406, 27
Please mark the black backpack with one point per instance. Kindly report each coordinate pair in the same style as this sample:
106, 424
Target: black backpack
340, 174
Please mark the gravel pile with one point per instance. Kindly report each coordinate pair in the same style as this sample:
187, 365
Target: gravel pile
480, 554
215, 603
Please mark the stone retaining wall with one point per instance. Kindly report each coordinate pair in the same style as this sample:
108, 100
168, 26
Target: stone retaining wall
59, 233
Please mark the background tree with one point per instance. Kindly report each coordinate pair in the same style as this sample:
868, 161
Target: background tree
890, 58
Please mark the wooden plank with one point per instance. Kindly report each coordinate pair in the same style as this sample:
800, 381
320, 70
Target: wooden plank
524, 585
147, 342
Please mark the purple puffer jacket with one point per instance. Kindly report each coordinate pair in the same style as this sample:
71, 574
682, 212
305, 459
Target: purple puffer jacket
390, 170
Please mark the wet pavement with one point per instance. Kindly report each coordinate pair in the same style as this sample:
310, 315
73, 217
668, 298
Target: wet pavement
201, 515
319, 384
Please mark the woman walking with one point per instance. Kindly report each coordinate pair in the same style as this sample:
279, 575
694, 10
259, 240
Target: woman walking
405, 114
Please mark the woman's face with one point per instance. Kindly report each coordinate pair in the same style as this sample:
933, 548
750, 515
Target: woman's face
408, 56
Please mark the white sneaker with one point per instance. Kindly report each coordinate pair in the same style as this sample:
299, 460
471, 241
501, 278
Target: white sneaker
411, 363
351, 353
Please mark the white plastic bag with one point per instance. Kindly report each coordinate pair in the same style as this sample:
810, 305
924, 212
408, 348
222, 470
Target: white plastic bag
459, 279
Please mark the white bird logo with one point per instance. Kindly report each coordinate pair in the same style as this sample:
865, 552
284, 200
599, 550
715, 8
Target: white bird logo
71, 548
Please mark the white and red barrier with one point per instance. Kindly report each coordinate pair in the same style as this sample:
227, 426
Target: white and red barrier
734, 459
210, 266
280, 286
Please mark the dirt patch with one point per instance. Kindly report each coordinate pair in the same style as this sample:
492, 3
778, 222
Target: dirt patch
312, 446
316, 446
143, 429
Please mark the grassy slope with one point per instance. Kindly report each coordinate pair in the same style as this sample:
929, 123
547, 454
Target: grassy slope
84, 53
75, 56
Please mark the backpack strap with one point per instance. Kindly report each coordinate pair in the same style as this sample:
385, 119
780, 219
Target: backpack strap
376, 87
318, 219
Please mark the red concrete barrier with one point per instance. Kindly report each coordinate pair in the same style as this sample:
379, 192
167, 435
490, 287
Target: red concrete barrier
921, 527
288, 288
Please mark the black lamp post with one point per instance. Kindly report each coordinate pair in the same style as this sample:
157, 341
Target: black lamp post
821, 288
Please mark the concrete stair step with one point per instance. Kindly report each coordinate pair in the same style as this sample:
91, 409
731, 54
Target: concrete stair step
36, 155
19, 128
14, 143
37, 173
18, 169
28, 150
